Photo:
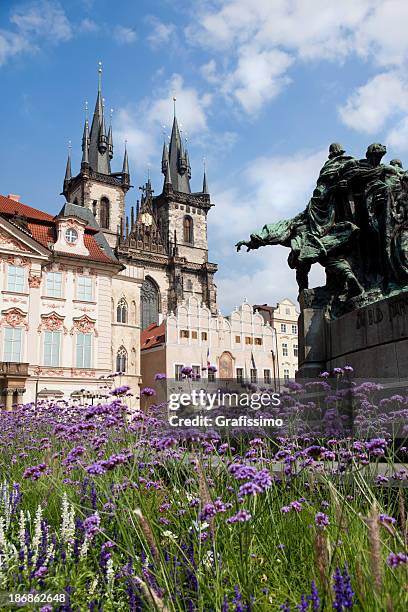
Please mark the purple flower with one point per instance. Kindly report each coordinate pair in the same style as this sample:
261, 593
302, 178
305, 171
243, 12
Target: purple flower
242, 516
148, 392
187, 371
212, 368
249, 488
389, 520
159, 376
91, 525
396, 559
314, 597
321, 520
342, 589
120, 390
324, 374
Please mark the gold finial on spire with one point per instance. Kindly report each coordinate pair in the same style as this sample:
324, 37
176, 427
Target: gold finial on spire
69, 146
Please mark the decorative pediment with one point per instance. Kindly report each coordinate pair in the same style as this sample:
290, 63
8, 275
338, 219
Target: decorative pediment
14, 317
84, 325
10, 243
15, 241
52, 322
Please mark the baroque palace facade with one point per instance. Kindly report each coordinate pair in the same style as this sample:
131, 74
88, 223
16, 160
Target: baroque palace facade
79, 286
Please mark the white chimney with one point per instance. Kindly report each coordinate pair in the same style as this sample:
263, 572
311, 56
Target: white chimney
13, 196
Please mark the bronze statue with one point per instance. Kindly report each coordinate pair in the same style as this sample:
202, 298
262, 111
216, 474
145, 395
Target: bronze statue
355, 226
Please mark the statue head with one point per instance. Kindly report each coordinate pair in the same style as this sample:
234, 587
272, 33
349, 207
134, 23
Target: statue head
375, 152
335, 149
396, 162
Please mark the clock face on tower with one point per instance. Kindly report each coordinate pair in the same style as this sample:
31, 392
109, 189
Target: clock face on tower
146, 218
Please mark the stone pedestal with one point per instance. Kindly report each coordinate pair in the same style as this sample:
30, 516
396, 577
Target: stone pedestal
372, 339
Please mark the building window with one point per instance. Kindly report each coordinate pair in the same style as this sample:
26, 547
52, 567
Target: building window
295, 350
184, 333
254, 375
204, 336
288, 311
83, 350
284, 349
237, 339
283, 328
294, 329
104, 213
248, 340
211, 375
258, 341
16, 278
188, 229
240, 374
189, 284
52, 343
286, 375
177, 371
121, 312
84, 288
196, 372
12, 344
267, 377
149, 303
194, 335
54, 284
121, 360
71, 235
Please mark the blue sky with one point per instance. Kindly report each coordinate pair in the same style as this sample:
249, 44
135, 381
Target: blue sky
262, 89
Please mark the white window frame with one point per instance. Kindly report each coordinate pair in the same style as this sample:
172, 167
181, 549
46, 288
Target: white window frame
15, 277
294, 329
82, 362
81, 297
286, 374
13, 356
295, 350
285, 349
50, 290
177, 371
267, 376
55, 353
283, 328
241, 377
253, 375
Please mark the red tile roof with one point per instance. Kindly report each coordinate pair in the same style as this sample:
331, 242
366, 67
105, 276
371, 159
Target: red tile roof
43, 230
154, 335
11, 207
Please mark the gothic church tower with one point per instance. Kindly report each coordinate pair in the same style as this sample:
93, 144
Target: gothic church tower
96, 187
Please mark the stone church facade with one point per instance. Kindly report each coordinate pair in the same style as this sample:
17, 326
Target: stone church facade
153, 261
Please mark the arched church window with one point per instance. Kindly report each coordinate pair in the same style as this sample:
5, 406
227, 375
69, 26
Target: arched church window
149, 303
121, 360
189, 284
188, 229
121, 311
104, 213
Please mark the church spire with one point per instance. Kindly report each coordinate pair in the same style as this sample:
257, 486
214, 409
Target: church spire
85, 138
99, 158
177, 163
125, 167
68, 170
205, 184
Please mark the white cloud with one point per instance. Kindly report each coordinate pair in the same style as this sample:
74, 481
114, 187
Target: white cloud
262, 194
161, 33
124, 35
33, 24
88, 25
261, 40
397, 137
43, 18
370, 106
142, 124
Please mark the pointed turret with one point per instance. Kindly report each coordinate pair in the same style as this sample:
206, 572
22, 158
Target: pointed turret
177, 163
68, 172
98, 142
110, 138
125, 167
85, 139
165, 158
205, 184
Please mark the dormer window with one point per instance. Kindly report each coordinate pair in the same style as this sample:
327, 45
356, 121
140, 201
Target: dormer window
71, 235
